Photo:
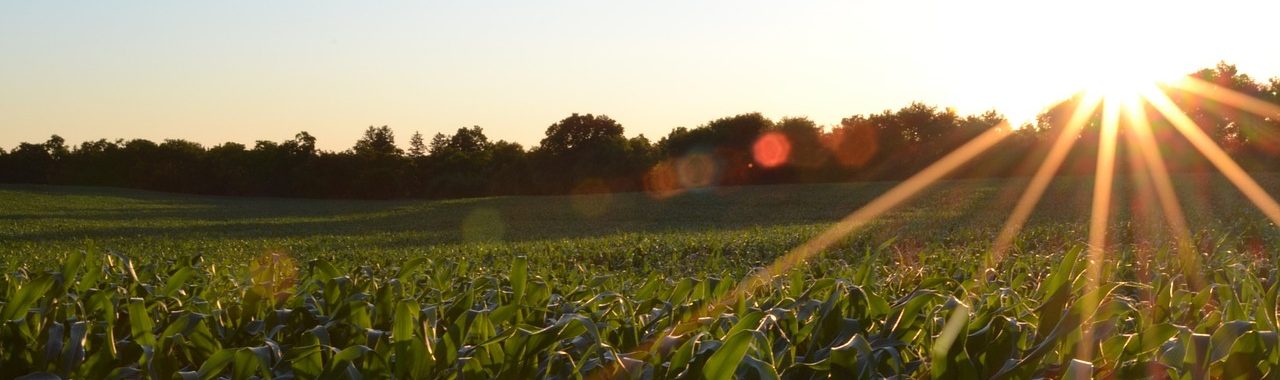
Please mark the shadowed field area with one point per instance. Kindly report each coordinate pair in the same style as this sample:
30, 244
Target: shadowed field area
961, 213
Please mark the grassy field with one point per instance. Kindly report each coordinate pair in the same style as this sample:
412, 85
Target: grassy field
131, 283
40, 219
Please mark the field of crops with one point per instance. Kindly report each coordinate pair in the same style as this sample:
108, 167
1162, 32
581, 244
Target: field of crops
101, 283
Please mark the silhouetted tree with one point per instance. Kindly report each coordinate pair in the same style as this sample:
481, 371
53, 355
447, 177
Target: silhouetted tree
582, 152
377, 142
805, 140
382, 164
582, 147
304, 144
417, 149
728, 140
30, 163
228, 170
458, 163
508, 169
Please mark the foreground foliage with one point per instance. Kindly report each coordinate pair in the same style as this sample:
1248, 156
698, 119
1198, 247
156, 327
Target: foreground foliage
108, 315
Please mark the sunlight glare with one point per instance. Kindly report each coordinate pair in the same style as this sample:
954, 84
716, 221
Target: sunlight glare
1142, 139
860, 217
1040, 180
1098, 217
1227, 96
1215, 154
1097, 46
1122, 81
885, 202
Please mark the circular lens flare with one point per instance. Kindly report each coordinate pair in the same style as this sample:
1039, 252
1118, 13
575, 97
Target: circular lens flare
591, 197
697, 170
771, 150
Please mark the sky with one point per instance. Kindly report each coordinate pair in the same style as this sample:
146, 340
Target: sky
213, 72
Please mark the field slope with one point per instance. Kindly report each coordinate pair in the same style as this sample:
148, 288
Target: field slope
102, 282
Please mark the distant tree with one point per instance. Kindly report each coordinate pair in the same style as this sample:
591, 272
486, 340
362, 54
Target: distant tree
459, 164
304, 144
177, 166
734, 133
976, 124
578, 132
640, 143
227, 166
583, 150
1273, 90
382, 165
98, 162
642, 152
30, 163
469, 140
439, 143
417, 149
581, 147
805, 139
729, 139
919, 122
1227, 75
508, 169
1233, 128
377, 142
739, 132
95, 147
57, 147
852, 144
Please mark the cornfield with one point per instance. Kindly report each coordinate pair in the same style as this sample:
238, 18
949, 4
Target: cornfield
106, 315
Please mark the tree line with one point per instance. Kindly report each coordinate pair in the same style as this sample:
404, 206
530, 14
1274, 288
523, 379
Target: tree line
586, 153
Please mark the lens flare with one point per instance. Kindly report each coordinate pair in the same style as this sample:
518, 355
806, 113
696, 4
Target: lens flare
1215, 154
1118, 99
885, 202
697, 170
483, 225
771, 150
661, 182
591, 198
1040, 180
852, 146
1098, 217
274, 276
1149, 158
1227, 96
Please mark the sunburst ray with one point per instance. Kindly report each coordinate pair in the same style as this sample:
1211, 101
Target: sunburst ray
1042, 177
1227, 96
878, 206
1153, 163
1099, 215
860, 217
1216, 156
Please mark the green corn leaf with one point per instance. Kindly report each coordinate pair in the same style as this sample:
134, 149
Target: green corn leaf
214, 366
724, 362
519, 277
16, 307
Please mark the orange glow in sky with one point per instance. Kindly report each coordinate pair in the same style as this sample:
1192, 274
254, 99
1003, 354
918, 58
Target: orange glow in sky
212, 72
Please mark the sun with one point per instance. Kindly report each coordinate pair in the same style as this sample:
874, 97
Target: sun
1122, 86
1119, 69
1120, 55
